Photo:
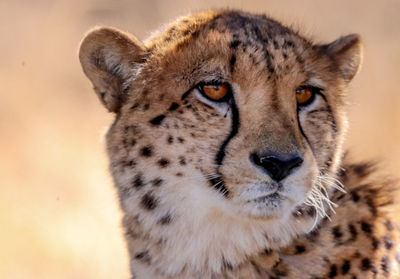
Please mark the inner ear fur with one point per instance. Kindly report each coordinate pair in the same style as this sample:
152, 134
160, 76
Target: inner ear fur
109, 58
346, 53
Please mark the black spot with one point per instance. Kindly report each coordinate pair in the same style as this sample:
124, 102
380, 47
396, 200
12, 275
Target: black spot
156, 121
138, 181
134, 106
163, 162
389, 243
362, 169
157, 182
287, 44
226, 264
165, 220
300, 60
353, 232
311, 211
172, 30
300, 249
259, 35
333, 271
131, 233
366, 227
130, 163
173, 106
149, 202
179, 174
186, 32
375, 242
182, 161
143, 256
102, 94
346, 267
170, 139
234, 44
365, 264
313, 236
146, 107
181, 140
338, 195
232, 62
385, 264
357, 254
354, 196
195, 34
271, 69
146, 151
337, 233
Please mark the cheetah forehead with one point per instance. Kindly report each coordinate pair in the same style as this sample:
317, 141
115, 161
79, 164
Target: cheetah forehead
245, 28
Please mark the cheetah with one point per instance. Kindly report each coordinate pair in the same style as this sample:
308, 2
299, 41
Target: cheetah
227, 152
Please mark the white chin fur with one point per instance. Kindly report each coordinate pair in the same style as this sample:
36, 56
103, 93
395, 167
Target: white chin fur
209, 229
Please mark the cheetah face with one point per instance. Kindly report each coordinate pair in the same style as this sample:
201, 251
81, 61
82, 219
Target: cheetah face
230, 109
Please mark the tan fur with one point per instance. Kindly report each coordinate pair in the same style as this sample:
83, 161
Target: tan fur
194, 199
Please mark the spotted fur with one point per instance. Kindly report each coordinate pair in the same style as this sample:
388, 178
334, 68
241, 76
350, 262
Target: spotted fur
197, 202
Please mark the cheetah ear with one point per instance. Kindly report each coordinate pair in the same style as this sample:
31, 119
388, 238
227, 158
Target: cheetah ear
346, 52
109, 58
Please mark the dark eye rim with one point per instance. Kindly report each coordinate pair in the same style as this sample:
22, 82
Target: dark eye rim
314, 91
226, 97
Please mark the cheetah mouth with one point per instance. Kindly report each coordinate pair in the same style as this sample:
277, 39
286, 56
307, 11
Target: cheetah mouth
267, 198
263, 192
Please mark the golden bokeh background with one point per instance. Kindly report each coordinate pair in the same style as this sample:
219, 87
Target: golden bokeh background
59, 216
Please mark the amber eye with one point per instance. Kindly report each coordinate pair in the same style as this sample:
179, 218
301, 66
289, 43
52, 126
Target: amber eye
215, 92
304, 95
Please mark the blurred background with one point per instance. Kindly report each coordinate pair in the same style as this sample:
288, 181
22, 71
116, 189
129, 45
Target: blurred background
59, 216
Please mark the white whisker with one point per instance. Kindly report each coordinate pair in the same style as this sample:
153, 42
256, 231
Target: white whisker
319, 197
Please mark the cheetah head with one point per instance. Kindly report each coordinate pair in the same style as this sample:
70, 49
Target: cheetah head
223, 118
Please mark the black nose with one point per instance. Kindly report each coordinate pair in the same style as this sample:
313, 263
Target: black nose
277, 166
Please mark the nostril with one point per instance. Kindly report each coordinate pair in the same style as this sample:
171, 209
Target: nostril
295, 162
277, 166
255, 159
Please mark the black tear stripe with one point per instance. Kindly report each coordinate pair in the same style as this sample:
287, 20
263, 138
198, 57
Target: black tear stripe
220, 185
301, 128
234, 130
333, 125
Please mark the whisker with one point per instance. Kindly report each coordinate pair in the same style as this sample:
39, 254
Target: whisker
319, 196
